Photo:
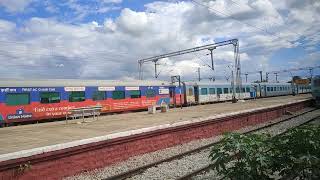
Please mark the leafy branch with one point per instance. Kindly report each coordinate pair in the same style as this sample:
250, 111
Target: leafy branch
294, 154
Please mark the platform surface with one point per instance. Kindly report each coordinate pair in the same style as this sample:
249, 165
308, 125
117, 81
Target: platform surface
18, 138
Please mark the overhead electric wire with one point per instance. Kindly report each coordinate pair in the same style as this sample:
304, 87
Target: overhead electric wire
234, 18
205, 64
240, 4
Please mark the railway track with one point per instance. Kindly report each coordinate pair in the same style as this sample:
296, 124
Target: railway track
141, 169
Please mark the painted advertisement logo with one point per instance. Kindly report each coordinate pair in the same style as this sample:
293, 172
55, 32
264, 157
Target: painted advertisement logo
20, 114
163, 91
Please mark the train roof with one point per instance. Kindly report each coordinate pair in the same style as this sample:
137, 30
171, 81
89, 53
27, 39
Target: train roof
213, 83
77, 82
266, 83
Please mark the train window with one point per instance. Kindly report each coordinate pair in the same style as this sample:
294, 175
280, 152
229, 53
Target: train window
204, 91
274, 88
247, 89
190, 91
150, 93
118, 95
225, 90
99, 95
219, 91
212, 91
268, 89
316, 82
15, 99
49, 97
77, 96
135, 93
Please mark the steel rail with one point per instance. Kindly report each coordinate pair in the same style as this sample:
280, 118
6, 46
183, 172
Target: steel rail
143, 168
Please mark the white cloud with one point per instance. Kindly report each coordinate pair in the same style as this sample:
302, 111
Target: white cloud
15, 5
133, 22
6, 26
110, 50
112, 1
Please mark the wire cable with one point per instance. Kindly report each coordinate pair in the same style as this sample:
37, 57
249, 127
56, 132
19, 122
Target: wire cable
234, 18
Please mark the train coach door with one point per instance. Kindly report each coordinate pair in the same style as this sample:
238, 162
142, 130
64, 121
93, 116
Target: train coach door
196, 94
172, 92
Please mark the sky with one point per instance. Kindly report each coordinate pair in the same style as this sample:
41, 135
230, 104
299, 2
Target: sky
104, 39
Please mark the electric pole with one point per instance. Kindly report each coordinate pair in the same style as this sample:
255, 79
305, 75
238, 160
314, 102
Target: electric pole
211, 54
311, 72
276, 76
234, 100
246, 77
199, 77
260, 76
155, 68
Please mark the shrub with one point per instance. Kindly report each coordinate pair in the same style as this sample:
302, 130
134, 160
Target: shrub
294, 154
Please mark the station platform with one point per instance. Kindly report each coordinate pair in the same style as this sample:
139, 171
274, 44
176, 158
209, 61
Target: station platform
58, 149
17, 141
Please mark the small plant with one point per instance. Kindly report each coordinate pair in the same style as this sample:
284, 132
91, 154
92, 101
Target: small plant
295, 154
242, 156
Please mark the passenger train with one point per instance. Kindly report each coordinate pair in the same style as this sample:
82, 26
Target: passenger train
35, 100
315, 86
